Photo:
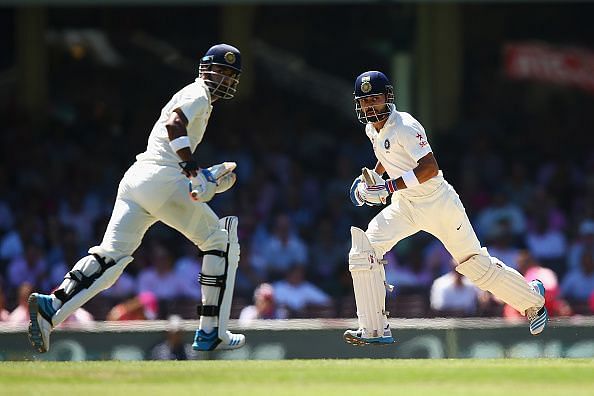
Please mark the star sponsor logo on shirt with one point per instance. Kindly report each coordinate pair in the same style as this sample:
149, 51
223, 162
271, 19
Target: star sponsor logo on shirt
422, 141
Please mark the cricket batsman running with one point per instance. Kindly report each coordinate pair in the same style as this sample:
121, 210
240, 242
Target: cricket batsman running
421, 200
165, 184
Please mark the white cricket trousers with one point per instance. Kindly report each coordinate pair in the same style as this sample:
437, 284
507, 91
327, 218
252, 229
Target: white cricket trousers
440, 213
149, 193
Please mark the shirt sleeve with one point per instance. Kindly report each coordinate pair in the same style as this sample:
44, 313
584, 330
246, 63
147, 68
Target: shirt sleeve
369, 133
192, 105
413, 139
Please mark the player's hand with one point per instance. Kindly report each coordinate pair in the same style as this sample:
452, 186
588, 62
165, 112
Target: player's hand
203, 186
357, 193
360, 194
189, 168
374, 187
223, 173
375, 195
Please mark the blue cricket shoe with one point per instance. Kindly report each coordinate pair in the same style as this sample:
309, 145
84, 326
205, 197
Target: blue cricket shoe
204, 341
41, 312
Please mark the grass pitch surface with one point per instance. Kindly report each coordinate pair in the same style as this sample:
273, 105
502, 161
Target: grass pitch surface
360, 377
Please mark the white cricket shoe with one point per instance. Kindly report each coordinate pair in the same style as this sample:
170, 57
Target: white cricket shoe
538, 316
360, 337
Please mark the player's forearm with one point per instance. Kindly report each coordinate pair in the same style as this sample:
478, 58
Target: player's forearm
178, 136
181, 145
379, 168
426, 169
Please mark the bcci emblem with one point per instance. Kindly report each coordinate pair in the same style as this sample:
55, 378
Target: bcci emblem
366, 87
387, 144
230, 58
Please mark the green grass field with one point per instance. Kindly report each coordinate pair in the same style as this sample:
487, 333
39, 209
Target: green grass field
301, 377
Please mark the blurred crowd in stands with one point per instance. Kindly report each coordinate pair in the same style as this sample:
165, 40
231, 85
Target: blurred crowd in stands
525, 174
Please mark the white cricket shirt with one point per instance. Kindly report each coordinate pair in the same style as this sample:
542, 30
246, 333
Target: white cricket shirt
195, 102
398, 146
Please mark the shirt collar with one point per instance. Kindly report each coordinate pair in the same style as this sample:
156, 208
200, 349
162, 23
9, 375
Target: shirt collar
201, 82
392, 119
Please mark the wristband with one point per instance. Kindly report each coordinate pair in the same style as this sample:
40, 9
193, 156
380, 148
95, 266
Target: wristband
180, 143
189, 166
410, 179
391, 185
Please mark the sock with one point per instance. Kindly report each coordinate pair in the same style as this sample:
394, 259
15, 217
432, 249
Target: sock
56, 302
207, 323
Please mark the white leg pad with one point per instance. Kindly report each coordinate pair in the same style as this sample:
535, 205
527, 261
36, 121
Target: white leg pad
89, 266
368, 283
215, 266
230, 223
490, 274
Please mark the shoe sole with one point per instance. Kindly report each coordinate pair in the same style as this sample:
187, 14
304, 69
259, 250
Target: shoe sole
355, 341
228, 347
541, 326
34, 332
218, 347
541, 290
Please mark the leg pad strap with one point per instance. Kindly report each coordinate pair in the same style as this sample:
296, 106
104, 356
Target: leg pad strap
207, 310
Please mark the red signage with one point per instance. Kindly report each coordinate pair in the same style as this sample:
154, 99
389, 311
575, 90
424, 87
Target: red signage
542, 62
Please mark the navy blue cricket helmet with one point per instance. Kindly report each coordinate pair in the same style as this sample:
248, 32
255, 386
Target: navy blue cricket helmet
373, 83
219, 84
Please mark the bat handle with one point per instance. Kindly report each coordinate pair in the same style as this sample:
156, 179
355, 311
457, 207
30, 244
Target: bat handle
367, 177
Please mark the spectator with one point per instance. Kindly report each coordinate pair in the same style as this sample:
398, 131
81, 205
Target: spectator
246, 278
29, 268
502, 209
123, 288
173, 348
438, 260
453, 294
327, 257
264, 306
531, 269
501, 244
144, 306
547, 244
78, 213
12, 244
65, 250
21, 313
585, 241
160, 278
283, 250
3, 312
578, 284
296, 294
518, 187
412, 273
187, 269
